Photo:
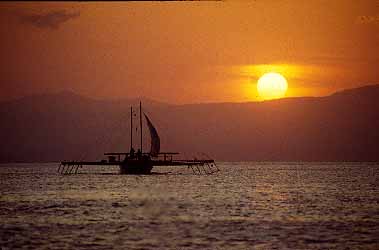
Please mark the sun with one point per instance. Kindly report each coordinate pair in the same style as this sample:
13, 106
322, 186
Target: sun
271, 86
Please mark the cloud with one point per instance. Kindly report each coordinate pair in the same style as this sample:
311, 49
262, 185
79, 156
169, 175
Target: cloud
51, 20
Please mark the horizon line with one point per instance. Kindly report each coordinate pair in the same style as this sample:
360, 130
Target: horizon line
129, 98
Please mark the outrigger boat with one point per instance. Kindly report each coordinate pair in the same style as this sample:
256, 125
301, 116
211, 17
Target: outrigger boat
139, 162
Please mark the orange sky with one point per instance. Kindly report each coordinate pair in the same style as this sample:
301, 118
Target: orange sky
186, 52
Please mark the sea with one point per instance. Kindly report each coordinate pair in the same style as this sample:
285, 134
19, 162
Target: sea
246, 205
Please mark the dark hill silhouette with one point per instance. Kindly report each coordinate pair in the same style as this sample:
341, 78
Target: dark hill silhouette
340, 127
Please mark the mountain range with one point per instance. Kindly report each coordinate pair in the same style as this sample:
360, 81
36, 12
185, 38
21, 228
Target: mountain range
66, 126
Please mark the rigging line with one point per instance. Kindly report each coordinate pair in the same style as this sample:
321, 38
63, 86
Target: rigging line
121, 135
104, 138
198, 155
98, 139
85, 153
120, 127
207, 155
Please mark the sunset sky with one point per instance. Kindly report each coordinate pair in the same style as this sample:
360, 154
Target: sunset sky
187, 52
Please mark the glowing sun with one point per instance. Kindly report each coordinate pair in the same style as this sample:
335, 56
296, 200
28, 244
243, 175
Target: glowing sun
272, 85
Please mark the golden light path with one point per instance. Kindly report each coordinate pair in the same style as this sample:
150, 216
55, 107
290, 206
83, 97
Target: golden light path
271, 86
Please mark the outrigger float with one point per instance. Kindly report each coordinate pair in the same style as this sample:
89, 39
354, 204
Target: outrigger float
139, 163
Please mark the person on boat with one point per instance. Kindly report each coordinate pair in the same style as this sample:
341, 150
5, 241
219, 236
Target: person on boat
131, 154
139, 154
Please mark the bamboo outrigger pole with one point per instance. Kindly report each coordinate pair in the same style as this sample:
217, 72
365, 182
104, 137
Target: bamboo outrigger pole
131, 127
140, 122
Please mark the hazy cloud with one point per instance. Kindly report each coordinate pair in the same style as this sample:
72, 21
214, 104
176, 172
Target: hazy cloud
51, 20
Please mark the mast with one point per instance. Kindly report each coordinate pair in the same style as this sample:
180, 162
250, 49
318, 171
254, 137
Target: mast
131, 127
140, 122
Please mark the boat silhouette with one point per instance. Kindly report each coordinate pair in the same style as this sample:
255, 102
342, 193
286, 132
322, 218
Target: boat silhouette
140, 163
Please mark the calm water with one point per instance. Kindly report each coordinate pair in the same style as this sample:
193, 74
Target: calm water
245, 206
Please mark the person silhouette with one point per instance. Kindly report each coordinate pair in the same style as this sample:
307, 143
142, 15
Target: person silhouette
131, 154
139, 153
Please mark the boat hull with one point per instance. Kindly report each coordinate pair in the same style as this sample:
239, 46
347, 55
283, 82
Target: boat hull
136, 167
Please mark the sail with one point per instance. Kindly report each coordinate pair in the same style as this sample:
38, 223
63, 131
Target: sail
155, 141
